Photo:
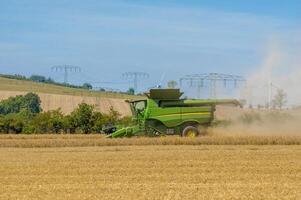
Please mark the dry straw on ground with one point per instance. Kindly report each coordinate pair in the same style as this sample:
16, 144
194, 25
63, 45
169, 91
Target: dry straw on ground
151, 172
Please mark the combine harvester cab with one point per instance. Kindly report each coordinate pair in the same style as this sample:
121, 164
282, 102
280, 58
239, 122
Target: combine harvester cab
165, 113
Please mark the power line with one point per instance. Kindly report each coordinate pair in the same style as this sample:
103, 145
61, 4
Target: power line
66, 69
135, 76
213, 79
92, 80
109, 82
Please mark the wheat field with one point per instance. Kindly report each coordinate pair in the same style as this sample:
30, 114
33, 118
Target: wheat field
78, 140
151, 172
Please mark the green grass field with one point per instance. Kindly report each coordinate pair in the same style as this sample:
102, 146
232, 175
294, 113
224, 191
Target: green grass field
29, 86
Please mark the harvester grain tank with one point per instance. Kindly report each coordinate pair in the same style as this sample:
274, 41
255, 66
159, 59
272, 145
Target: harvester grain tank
163, 112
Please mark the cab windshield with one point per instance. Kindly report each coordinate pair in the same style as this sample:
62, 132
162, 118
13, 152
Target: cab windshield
139, 106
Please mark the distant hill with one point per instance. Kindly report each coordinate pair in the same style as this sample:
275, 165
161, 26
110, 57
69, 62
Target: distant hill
66, 98
30, 86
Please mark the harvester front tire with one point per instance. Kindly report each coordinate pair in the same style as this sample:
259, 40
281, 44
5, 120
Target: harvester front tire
190, 131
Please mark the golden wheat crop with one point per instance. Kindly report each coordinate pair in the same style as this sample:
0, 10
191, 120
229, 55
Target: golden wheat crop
99, 140
151, 172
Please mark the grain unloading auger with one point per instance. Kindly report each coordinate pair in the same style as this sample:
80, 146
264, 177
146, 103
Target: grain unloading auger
165, 113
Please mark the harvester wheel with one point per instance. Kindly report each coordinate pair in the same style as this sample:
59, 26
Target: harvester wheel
190, 131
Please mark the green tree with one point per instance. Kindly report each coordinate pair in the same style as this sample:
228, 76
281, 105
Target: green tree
56, 121
280, 99
69, 125
38, 78
172, 84
30, 102
40, 123
82, 119
48, 122
87, 86
99, 120
113, 116
15, 122
10, 105
131, 91
126, 121
2, 124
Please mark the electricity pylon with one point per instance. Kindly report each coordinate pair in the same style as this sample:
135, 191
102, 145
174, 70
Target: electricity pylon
135, 76
212, 79
66, 69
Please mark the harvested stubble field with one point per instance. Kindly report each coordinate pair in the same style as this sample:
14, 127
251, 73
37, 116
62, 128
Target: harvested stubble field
152, 172
24, 86
67, 103
54, 96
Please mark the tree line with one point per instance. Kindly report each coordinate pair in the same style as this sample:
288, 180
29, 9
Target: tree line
23, 114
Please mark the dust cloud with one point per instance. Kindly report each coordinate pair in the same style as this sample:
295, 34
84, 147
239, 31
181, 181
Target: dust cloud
280, 69
233, 121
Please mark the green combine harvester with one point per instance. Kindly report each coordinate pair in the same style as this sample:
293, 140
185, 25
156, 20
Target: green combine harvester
165, 113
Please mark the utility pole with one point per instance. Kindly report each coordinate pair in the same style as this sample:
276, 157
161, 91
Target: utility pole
135, 77
66, 69
200, 85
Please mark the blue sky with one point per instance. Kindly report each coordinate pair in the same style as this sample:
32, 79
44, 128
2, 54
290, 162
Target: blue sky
167, 39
